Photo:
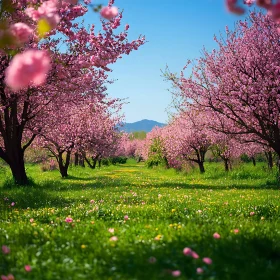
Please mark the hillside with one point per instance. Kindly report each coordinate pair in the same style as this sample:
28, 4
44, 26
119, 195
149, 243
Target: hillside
143, 125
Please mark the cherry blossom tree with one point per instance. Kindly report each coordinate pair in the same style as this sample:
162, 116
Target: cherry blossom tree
57, 75
239, 82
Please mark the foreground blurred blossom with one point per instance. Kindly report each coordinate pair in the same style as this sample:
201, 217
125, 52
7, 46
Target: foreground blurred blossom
68, 220
92, 201
189, 252
109, 12
5, 249
28, 68
207, 260
199, 270
111, 230
236, 230
27, 268
114, 238
8, 277
176, 273
125, 217
252, 213
13, 204
21, 32
216, 235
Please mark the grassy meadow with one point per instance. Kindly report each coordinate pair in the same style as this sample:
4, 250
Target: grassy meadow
130, 222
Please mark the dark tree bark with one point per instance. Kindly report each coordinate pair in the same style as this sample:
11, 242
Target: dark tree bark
269, 158
76, 159
63, 166
253, 160
200, 157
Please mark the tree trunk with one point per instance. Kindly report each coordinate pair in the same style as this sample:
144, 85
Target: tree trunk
76, 159
82, 161
63, 167
201, 167
18, 169
99, 163
269, 159
226, 163
254, 161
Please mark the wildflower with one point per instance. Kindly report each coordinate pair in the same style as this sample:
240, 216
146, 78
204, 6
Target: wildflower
5, 249
114, 238
236, 230
27, 268
68, 220
216, 235
207, 260
92, 201
111, 230
252, 213
31, 220
83, 246
199, 270
13, 204
176, 273
125, 217
173, 210
158, 237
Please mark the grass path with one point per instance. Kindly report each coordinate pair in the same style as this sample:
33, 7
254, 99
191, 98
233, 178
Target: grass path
167, 212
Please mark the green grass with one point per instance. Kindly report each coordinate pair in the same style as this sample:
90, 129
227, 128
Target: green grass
180, 210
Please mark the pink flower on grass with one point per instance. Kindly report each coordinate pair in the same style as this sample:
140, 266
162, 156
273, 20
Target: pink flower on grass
21, 32
111, 230
31, 220
68, 220
176, 273
27, 268
28, 68
199, 270
189, 252
13, 204
114, 238
5, 249
125, 217
8, 277
216, 235
109, 12
92, 201
252, 213
236, 230
207, 260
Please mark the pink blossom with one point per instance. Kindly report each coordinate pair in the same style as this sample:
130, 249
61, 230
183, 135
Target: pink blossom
31, 220
109, 12
5, 249
125, 217
194, 255
8, 277
187, 251
13, 204
92, 201
27, 268
207, 260
126, 26
232, 7
199, 270
114, 238
216, 235
73, 2
68, 220
176, 273
236, 231
111, 230
252, 213
21, 32
28, 68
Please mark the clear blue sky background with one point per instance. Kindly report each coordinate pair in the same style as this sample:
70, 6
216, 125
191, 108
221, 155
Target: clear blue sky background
176, 30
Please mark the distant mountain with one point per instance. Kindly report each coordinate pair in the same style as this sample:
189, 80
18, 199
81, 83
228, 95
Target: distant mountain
144, 125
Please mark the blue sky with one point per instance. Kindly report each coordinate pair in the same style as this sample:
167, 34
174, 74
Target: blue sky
176, 30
